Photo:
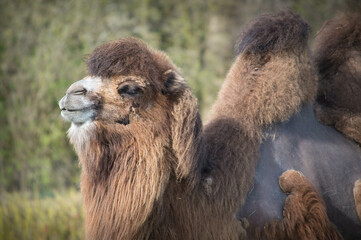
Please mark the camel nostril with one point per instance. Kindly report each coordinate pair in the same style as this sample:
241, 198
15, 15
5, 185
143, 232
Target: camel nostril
61, 102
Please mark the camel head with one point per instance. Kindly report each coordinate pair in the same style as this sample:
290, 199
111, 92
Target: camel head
127, 83
126, 80
131, 92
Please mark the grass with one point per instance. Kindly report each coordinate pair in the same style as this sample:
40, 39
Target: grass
31, 217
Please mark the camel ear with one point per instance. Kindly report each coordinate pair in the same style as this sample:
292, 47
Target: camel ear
174, 83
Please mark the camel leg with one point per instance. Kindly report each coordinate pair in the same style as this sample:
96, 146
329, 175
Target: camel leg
305, 215
357, 196
304, 212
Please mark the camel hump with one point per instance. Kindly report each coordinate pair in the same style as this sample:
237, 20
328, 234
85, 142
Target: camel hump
283, 31
337, 58
338, 34
335, 42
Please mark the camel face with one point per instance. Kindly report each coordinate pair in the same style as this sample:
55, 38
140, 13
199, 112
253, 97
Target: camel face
127, 83
113, 101
129, 86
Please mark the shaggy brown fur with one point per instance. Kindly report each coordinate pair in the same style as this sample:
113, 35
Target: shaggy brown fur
266, 87
338, 61
149, 170
273, 33
304, 212
272, 73
278, 86
275, 79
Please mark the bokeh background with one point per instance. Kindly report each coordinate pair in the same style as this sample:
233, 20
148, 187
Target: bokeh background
42, 47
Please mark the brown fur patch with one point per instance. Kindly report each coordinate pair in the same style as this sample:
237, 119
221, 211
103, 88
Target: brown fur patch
269, 86
343, 120
304, 212
283, 31
357, 196
337, 57
270, 80
129, 56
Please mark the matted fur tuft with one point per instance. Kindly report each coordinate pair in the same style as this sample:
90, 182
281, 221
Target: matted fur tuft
129, 56
121, 57
305, 215
279, 32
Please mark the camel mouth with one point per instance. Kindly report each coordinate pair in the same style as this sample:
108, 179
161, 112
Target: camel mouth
78, 115
76, 109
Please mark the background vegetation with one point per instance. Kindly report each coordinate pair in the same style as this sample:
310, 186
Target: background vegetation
42, 46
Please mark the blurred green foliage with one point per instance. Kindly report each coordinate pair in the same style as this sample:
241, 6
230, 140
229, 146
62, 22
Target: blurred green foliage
27, 217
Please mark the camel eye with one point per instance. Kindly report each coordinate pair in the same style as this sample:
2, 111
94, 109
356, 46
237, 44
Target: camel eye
130, 90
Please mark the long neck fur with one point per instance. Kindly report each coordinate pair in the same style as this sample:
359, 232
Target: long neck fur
127, 169
124, 173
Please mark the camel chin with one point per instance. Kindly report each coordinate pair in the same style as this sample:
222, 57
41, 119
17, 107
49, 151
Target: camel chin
78, 117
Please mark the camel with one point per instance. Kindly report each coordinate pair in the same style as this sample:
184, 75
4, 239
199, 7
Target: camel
149, 169
331, 162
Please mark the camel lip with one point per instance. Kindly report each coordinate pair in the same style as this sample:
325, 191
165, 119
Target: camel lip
75, 109
78, 115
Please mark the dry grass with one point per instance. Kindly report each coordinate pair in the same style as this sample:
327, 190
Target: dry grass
24, 217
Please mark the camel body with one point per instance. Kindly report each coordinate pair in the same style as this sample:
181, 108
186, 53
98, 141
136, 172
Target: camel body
328, 159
